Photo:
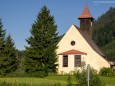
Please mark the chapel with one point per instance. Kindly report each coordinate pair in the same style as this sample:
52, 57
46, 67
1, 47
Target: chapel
77, 47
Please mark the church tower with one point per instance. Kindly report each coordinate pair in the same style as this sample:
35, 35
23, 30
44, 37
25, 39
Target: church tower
86, 21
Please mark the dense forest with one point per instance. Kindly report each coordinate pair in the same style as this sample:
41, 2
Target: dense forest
104, 33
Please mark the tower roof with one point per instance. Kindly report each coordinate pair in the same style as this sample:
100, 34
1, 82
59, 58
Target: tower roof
85, 13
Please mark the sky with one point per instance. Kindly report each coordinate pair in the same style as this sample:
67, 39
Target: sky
18, 15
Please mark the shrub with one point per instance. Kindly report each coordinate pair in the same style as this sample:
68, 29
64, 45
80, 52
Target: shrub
82, 78
17, 74
39, 74
106, 72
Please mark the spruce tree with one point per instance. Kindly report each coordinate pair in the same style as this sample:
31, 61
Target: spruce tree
8, 59
40, 55
2, 44
10, 56
2, 36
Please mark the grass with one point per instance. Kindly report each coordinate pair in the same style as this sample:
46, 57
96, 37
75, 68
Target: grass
109, 81
37, 81
31, 81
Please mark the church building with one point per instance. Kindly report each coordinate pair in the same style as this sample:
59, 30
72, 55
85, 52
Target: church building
77, 47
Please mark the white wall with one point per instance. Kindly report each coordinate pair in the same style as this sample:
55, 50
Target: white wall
93, 58
70, 67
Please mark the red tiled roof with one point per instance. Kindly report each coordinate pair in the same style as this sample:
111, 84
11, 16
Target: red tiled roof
72, 52
85, 13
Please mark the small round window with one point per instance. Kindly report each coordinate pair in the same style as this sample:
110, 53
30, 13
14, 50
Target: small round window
72, 43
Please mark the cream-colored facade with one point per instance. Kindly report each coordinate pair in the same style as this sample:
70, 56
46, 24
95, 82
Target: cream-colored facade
83, 43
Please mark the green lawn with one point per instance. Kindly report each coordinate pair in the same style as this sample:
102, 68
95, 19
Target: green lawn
38, 81
109, 81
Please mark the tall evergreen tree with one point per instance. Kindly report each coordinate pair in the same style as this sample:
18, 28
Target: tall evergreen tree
2, 36
41, 56
2, 44
10, 54
9, 60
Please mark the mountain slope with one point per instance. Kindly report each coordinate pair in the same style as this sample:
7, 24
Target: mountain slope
104, 33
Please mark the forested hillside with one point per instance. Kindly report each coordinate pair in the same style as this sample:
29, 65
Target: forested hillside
104, 33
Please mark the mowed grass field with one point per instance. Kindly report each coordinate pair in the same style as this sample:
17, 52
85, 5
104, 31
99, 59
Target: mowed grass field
31, 81
109, 81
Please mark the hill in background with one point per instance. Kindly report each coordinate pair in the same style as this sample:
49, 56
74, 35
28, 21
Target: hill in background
104, 33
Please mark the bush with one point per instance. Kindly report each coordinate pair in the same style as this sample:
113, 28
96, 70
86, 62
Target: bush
82, 78
17, 74
39, 74
106, 72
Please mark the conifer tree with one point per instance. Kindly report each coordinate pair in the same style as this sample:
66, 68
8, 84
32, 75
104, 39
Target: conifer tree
10, 56
2, 36
40, 55
2, 44
8, 60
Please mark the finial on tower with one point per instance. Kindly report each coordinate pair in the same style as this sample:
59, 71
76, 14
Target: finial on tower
86, 13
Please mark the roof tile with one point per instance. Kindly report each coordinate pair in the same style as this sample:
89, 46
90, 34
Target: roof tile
85, 13
71, 52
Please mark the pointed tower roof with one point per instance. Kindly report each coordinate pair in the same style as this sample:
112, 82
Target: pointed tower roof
85, 13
